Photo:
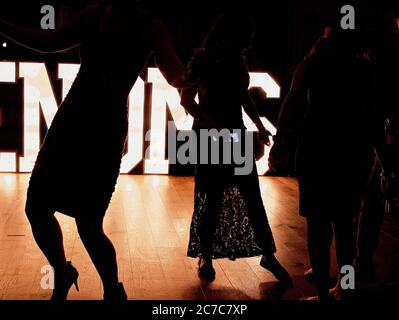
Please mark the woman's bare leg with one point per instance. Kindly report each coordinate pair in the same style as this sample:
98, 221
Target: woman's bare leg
48, 236
319, 244
100, 250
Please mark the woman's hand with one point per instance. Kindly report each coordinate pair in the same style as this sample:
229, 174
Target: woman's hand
165, 56
274, 159
264, 136
259, 148
279, 158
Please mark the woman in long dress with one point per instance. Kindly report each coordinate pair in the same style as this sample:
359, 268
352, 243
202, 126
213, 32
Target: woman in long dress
78, 164
229, 219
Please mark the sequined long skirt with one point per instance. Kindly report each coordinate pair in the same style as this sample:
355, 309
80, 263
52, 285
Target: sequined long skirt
229, 218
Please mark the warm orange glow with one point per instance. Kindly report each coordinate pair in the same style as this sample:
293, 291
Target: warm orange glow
38, 95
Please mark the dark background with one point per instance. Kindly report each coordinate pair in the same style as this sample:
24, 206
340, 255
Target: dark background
285, 31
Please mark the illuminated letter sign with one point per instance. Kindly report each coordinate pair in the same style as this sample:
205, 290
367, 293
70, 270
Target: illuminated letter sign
135, 132
8, 160
163, 95
272, 89
38, 95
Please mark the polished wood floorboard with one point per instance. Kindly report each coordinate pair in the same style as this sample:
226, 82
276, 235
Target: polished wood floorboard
148, 221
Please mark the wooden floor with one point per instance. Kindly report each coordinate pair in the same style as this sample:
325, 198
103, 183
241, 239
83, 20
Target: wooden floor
148, 221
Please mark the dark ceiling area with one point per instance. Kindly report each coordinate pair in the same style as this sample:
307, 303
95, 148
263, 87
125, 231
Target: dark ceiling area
285, 29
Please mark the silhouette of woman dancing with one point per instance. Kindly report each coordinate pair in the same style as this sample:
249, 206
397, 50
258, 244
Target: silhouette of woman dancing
229, 219
331, 103
78, 164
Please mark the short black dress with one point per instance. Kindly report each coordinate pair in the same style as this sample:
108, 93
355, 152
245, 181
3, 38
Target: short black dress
78, 164
229, 219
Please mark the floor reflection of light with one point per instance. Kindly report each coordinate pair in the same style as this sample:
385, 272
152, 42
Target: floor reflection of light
8, 162
7, 183
128, 186
155, 181
265, 185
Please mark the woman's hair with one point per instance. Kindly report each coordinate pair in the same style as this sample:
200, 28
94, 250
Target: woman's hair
235, 28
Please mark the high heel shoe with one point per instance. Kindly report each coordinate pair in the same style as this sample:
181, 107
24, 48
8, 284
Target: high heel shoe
206, 270
116, 295
64, 282
271, 264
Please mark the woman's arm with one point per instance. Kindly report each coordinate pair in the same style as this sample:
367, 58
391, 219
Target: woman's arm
252, 112
191, 106
57, 40
293, 110
291, 115
166, 57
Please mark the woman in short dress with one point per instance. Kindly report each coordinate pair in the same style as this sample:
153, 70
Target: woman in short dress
78, 164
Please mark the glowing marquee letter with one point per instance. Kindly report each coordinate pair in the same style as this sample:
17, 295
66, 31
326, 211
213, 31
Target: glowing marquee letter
8, 160
163, 95
272, 90
135, 131
67, 72
37, 93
